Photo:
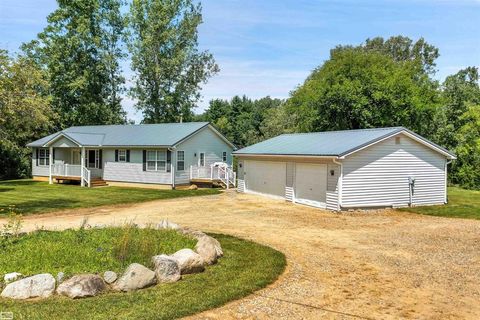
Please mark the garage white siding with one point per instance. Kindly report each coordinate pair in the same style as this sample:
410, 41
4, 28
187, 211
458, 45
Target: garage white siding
265, 177
378, 175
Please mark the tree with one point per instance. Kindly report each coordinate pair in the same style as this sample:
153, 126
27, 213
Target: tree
465, 170
242, 120
25, 112
168, 66
358, 88
81, 49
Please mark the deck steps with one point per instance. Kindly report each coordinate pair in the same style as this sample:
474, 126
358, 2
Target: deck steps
98, 182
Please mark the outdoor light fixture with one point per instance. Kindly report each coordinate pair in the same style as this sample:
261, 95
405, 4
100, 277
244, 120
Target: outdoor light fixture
332, 172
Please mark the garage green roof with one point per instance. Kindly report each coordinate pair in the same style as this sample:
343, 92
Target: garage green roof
329, 143
164, 134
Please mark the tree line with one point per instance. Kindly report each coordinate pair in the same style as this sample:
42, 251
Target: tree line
72, 74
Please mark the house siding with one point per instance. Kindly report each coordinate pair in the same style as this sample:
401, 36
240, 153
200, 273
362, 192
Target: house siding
131, 171
332, 186
61, 156
378, 175
206, 141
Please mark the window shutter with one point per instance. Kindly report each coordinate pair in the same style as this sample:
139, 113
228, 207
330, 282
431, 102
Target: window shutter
128, 155
53, 155
116, 155
144, 160
36, 155
169, 160
100, 156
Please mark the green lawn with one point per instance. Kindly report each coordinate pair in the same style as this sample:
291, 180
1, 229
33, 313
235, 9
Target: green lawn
245, 268
87, 250
461, 204
30, 196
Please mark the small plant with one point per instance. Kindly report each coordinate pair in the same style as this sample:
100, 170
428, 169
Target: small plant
11, 230
81, 234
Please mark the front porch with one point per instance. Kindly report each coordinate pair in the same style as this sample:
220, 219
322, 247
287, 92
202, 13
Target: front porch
76, 164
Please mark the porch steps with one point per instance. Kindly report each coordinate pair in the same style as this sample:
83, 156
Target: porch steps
98, 182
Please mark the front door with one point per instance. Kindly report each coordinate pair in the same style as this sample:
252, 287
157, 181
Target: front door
76, 156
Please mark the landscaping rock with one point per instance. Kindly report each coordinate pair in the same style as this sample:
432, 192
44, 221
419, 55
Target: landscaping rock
81, 286
209, 249
192, 233
110, 277
166, 268
135, 277
40, 285
10, 277
189, 261
193, 187
60, 277
165, 224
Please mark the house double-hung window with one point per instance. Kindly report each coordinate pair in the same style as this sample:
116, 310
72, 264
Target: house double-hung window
156, 160
180, 160
43, 157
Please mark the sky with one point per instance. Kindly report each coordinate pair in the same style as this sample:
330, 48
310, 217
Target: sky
269, 47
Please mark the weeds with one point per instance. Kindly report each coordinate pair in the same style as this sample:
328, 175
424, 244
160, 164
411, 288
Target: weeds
11, 230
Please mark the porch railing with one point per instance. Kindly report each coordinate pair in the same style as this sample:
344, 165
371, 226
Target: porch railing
223, 173
66, 170
72, 170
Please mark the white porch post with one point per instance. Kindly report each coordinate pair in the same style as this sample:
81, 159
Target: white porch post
82, 164
50, 165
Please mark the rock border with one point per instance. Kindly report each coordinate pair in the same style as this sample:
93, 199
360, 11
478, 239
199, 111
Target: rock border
167, 269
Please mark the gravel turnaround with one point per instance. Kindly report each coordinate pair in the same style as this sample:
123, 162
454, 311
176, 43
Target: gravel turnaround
358, 265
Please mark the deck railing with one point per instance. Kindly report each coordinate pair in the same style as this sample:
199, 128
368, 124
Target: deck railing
72, 170
66, 170
223, 173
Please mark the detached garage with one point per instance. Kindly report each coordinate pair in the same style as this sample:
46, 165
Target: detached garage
338, 170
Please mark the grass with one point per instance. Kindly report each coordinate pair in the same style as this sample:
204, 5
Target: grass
30, 197
245, 268
461, 204
88, 250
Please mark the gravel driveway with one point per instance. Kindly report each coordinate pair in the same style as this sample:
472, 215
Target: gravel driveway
377, 265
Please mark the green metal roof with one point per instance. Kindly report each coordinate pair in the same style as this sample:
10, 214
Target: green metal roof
328, 143
164, 134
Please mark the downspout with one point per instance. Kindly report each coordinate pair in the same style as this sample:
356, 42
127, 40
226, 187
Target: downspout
446, 176
172, 168
340, 180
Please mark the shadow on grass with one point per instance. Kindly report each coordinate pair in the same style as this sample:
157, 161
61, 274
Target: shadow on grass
20, 183
39, 206
6, 189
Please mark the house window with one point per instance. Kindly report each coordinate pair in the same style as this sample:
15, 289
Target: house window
43, 157
201, 159
156, 160
93, 158
122, 155
224, 156
180, 160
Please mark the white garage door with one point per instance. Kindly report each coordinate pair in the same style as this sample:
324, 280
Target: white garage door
311, 184
266, 177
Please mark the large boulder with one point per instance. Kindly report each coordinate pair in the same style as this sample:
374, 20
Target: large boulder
81, 286
192, 233
38, 286
166, 268
135, 277
189, 261
209, 249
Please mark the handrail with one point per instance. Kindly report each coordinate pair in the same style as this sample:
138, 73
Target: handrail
87, 174
225, 174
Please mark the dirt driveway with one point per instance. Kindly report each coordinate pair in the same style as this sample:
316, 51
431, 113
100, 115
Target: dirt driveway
381, 265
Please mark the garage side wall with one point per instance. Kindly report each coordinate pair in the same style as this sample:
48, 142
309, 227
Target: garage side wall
379, 175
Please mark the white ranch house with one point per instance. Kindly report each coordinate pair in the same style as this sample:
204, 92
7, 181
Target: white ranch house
338, 170
154, 154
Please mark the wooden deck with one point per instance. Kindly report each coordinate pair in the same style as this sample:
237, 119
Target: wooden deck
66, 178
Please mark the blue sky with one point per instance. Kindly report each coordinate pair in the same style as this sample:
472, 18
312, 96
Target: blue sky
268, 47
